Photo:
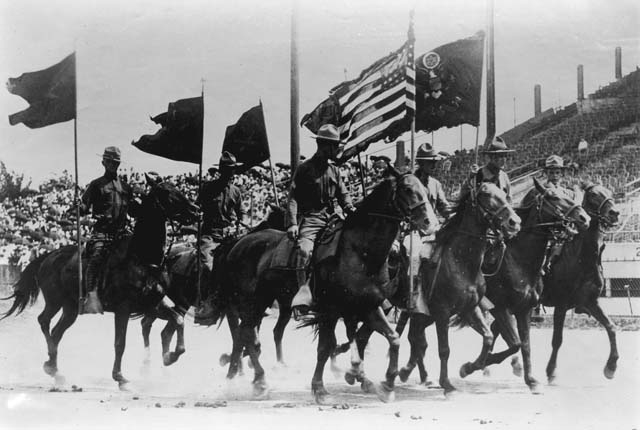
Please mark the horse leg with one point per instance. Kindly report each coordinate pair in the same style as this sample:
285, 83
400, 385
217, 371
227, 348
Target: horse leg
559, 314
378, 321
402, 322
505, 323
479, 323
146, 323
442, 329
68, 317
278, 331
612, 362
175, 321
352, 374
44, 319
524, 325
248, 333
121, 321
418, 345
326, 346
235, 359
362, 340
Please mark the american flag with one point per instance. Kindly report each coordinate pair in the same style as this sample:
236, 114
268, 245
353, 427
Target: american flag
382, 95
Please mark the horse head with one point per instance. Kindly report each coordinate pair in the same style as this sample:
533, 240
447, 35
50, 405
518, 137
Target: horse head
410, 200
172, 203
556, 206
598, 203
492, 204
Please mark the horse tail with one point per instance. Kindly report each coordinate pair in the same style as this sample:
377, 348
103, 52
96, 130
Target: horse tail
25, 291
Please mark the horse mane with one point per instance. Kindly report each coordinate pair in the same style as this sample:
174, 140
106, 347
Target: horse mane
379, 193
452, 224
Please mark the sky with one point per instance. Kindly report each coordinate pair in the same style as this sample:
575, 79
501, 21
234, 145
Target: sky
135, 56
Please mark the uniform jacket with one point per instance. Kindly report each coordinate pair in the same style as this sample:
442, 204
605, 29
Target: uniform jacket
221, 203
316, 186
435, 193
109, 198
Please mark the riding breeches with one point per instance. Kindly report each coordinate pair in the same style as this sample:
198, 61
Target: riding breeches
97, 250
310, 227
206, 248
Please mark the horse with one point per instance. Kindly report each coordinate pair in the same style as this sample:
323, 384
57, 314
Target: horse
576, 279
132, 276
181, 264
453, 284
351, 284
513, 287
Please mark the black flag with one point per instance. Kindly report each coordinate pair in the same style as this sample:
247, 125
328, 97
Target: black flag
51, 94
448, 83
247, 139
180, 137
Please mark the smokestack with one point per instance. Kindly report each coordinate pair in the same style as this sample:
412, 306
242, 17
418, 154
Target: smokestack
580, 82
399, 154
537, 109
618, 62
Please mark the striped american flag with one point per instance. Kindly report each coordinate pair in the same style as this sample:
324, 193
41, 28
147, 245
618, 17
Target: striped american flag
382, 95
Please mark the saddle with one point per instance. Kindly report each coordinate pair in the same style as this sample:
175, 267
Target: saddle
325, 247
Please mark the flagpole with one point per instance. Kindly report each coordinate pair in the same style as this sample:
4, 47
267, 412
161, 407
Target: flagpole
75, 192
273, 175
294, 98
412, 304
364, 187
491, 79
199, 234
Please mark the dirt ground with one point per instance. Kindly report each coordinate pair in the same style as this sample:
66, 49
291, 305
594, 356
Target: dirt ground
194, 392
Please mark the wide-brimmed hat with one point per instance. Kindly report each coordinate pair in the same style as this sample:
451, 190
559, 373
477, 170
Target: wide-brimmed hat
426, 152
328, 133
383, 158
554, 162
497, 146
111, 153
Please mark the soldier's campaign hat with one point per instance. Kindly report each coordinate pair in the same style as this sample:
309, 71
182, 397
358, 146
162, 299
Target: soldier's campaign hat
328, 133
554, 162
497, 146
383, 158
227, 159
426, 152
111, 153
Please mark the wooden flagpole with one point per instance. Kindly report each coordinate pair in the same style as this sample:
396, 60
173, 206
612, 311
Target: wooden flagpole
199, 234
412, 304
75, 192
273, 175
294, 98
491, 78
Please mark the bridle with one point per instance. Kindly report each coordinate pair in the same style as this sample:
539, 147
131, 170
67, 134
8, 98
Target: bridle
563, 219
405, 213
493, 219
597, 213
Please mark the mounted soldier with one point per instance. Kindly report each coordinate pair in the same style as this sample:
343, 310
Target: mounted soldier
221, 203
554, 169
493, 171
317, 192
109, 200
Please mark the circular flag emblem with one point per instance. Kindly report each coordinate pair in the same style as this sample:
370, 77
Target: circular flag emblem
431, 60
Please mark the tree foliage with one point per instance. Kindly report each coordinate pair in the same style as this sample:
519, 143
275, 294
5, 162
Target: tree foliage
12, 185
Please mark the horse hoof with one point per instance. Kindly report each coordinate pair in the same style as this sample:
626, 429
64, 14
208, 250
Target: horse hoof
450, 393
516, 366
466, 370
224, 359
609, 372
404, 374
260, 391
536, 388
426, 383
322, 397
385, 392
551, 379
350, 378
368, 386
59, 379
169, 358
124, 386
49, 369
486, 372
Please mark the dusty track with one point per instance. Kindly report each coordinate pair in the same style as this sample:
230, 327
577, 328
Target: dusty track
168, 397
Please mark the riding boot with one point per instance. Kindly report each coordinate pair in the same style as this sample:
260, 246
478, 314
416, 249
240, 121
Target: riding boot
303, 300
206, 314
91, 303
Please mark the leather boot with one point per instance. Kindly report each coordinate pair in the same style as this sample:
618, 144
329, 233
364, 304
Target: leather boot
303, 300
206, 314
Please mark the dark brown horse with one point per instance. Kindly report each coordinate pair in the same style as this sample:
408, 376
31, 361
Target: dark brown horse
181, 264
576, 279
133, 278
458, 283
352, 284
512, 289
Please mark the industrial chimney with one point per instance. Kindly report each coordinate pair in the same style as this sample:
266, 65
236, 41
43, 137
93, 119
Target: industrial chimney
399, 154
618, 62
580, 82
537, 109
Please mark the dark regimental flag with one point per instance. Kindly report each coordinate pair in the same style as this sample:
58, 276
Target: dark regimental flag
448, 83
381, 99
51, 94
247, 139
180, 137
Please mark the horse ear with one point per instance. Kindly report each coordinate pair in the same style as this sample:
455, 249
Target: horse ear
538, 186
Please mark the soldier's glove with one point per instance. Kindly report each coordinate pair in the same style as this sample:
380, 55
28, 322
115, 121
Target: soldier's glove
292, 232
